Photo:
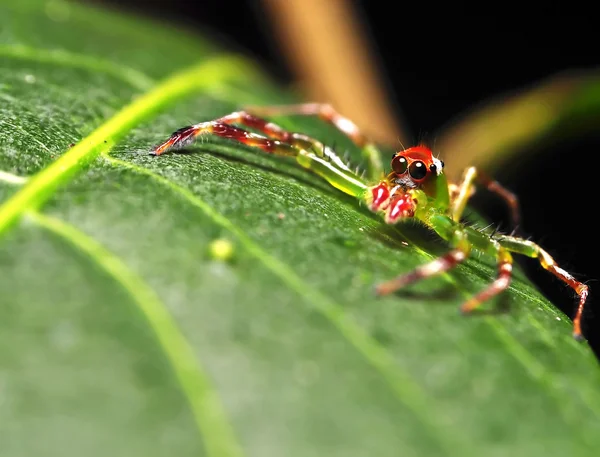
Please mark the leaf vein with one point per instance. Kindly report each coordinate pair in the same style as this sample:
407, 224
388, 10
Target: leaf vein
131, 76
208, 411
198, 78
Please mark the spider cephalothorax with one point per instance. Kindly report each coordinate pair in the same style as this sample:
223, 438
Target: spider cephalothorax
416, 188
414, 177
412, 167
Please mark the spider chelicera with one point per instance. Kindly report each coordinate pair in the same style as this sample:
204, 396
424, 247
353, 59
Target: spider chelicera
416, 188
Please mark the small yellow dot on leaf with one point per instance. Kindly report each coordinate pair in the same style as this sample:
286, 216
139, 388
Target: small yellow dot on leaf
221, 249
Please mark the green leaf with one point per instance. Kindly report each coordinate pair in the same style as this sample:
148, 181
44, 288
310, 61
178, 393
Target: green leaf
125, 332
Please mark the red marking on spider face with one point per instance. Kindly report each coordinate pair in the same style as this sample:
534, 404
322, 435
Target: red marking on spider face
380, 195
422, 153
401, 206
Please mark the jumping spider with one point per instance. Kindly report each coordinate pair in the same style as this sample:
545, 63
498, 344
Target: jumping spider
416, 188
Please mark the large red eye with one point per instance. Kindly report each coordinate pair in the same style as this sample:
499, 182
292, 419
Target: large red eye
418, 170
399, 164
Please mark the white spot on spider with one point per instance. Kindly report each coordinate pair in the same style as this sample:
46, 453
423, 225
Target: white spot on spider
29, 79
346, 125
271, 126
433, 267
405, 181
438, 166
558, 318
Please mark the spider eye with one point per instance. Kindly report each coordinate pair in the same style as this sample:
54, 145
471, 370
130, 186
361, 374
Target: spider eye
442, 163
399, 164
432, 168
418, 170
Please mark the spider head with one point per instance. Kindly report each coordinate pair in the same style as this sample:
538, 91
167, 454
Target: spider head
415, 167
416, 180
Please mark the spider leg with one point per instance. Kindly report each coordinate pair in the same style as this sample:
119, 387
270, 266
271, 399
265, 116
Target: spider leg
463, 239
454, 191
309, 153
531, 249
437, 266
466, 188
272, 130
462, 248
501, 282
327, 113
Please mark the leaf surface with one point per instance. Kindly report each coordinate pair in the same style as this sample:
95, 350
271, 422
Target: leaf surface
121, 334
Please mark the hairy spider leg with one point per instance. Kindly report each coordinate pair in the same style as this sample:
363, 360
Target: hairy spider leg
309, 153
327, 113
502, 281
463, 239
437, 266
466, 189
533, 250
272, 130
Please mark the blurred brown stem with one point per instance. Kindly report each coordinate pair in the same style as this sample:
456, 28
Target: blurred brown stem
328, 51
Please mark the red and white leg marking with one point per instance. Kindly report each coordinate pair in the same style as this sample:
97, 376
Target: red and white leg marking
378, 196
186, 135
401, 206
581, 289
324, 111
501, 282
437, 266
223, 127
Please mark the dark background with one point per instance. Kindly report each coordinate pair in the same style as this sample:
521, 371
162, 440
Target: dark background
439, 68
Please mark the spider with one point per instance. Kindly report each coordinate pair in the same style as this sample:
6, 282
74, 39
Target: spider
415, 188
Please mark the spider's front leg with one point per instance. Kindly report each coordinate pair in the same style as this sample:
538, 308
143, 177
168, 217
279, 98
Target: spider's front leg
392, 200
308, 152
327, 113
464, 191
384, 196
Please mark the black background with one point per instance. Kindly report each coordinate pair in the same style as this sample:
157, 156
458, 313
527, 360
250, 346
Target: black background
439, 67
